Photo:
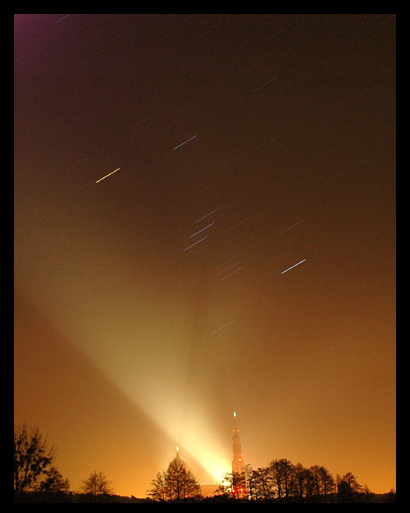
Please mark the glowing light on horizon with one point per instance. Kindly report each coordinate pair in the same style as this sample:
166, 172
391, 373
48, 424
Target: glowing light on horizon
189, 424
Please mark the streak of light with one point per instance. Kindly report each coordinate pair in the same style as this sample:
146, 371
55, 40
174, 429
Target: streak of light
349, 170
226, 263
265, 84
140, 123
203, 229
237, 224
63, 18
227, 276
182, 144
106, 176
277, 258
293, 266
293, 226
280, 135
270, 99
208, 31
222, 327
195, 243
88, 38
227, 269
207, 215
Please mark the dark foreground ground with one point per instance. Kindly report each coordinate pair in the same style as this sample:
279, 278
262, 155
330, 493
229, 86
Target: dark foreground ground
365, 498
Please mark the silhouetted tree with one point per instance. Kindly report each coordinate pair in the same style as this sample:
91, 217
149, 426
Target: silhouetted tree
281, 480
248, 472
31, 459
352, 482
349, 490
300, 475
315, 477
252, 485
234, 485
281, 473
344, 494
158, 490
327, 482
262, 484
391, 497
322, 481
274, 470
177, 483
54, 482
286, 470
97, 484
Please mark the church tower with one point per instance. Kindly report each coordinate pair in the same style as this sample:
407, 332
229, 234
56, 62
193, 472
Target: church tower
237, 460
178, 463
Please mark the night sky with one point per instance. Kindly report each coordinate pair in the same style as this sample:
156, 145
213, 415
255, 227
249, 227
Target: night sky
240, 258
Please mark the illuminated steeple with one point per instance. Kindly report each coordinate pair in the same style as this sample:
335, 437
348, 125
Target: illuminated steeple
178, 462
237, 460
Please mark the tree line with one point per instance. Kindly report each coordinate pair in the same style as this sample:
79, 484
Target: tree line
282, 481
37, 479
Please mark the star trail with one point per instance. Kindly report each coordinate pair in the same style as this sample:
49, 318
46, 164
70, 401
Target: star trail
242, 258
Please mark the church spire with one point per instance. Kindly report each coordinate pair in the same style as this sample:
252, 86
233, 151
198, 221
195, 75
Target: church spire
180, 463
237, 459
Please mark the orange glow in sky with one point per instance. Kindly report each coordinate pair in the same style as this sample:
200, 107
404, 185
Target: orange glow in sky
151, 306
